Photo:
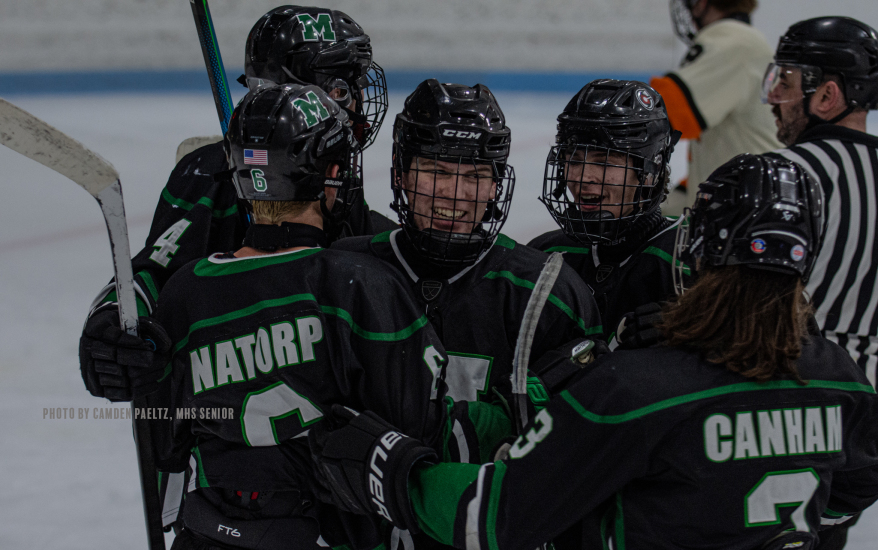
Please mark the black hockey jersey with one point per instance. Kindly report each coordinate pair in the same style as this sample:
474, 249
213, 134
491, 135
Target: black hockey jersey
264, 345
691, 455
197, 216
477, 312
621, 282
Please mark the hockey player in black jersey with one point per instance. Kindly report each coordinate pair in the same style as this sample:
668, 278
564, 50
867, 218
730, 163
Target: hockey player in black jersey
199, 212
604, 181
745, 432
452, 188
266, 338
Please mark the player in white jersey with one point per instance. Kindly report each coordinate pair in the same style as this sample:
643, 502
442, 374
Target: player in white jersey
713, 98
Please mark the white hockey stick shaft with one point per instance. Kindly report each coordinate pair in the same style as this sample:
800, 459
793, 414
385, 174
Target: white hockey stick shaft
26, 134
529, 322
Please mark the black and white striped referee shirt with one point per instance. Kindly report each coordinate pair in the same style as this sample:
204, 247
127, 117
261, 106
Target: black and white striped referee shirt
844, 283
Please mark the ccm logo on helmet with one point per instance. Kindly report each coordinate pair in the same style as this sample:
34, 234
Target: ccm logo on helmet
376, 487
463, 134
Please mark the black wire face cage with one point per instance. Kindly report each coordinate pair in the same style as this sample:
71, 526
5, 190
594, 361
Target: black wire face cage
351, 179
451, 208
370, 91
594, 192
373, 105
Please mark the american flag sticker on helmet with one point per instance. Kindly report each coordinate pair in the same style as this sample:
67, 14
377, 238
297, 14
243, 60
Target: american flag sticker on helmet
256, 156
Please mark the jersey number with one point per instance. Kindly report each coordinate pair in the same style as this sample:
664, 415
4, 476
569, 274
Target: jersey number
777, 490
166, 245
467, 376
263, 408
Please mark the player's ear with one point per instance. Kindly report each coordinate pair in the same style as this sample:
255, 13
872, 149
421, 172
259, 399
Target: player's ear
829, 98
332, 171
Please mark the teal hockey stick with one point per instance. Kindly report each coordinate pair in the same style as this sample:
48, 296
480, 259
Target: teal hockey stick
213, 61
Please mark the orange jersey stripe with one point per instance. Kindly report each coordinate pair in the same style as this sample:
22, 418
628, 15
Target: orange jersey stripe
684, 117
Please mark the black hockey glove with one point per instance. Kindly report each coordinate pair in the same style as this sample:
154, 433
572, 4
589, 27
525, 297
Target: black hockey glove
797, 540
364, 464
117, 365
638, 330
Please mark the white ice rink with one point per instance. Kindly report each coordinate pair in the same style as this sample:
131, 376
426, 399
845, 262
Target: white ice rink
71, 484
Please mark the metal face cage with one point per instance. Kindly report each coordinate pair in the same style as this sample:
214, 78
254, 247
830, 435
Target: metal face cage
681, 253
350, 178
372, 105
451, 207
594, 192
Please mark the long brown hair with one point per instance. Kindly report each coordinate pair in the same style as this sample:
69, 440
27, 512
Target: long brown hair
751, 321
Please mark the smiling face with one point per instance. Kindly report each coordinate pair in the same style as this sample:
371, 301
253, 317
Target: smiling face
601, 182
448, 196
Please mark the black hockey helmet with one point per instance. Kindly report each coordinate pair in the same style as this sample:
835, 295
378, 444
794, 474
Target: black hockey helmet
614, 138
310, 45
755, 210
823, 46
282, 139
445, 130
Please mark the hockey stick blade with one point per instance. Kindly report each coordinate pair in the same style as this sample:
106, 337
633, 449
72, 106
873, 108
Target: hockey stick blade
28, 135
529, 322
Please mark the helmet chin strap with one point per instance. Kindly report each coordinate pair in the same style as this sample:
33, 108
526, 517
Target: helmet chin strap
333, 224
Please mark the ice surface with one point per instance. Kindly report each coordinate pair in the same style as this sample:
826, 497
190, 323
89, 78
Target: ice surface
72, 484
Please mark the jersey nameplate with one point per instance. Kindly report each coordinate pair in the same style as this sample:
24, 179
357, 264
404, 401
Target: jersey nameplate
778, 432
239, 359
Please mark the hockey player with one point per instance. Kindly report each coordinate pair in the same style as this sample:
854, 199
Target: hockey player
266, 338
452, 188
199, 212
713, 98
604, 181
745, 432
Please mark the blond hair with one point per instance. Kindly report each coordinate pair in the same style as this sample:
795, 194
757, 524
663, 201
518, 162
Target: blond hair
273, 212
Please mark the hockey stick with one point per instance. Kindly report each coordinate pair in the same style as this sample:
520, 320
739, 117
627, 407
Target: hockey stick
219, 85
520, 360
33, 138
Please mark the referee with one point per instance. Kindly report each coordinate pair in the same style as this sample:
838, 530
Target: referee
821, 85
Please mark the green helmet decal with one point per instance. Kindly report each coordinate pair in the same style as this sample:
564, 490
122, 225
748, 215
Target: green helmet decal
316, 29
312, 108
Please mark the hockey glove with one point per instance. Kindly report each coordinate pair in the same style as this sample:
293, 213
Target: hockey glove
365, 463
638, 330
117, 365
791, 540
